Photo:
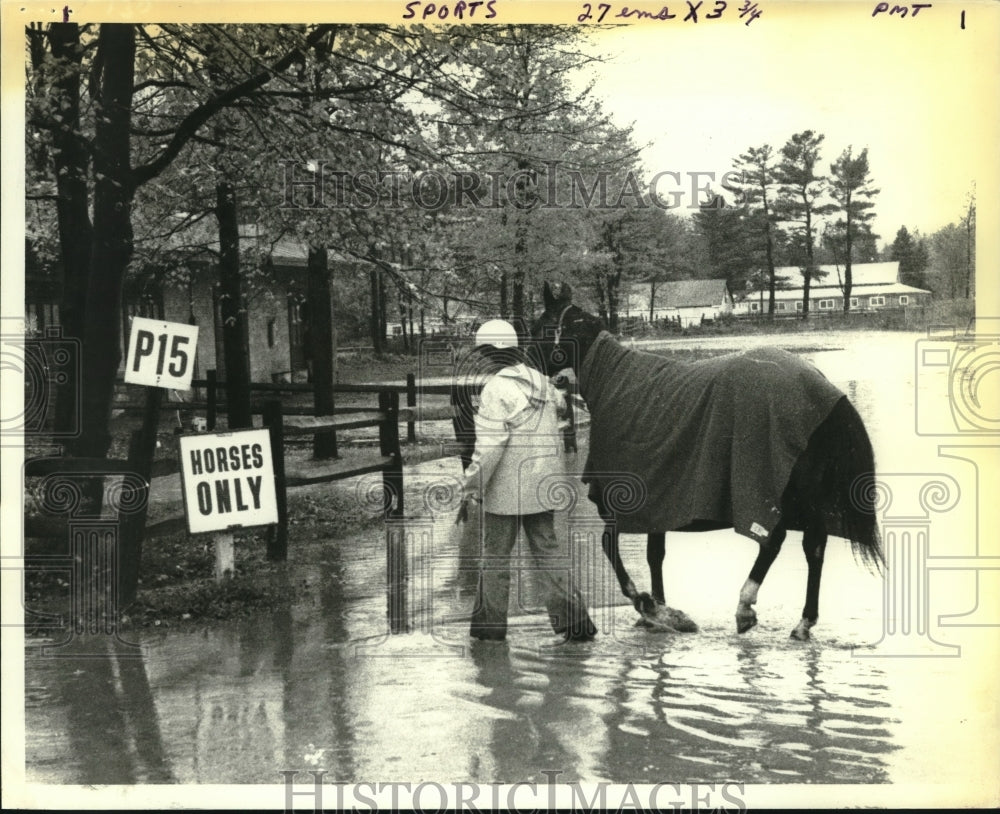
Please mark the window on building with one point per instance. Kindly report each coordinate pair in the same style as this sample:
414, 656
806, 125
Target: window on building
271, 324
780, 306
798, 305
825, 305
755, 306
854, 302
876, 301
904, 299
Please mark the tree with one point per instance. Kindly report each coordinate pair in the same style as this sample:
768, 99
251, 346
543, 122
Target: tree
728, 238
953, 259
670, 250
64, 156
851, 190
949, 262
95, 275
515, 118
207, 105
797, 204
968, 225
757, 179
912, 255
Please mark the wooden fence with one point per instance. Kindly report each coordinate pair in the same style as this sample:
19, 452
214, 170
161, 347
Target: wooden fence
287, 422
283, 422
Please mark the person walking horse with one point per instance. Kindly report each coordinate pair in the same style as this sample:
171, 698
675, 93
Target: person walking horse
518, 446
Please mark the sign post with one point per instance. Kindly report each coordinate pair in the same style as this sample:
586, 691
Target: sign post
227, 482
161, 354
225, 555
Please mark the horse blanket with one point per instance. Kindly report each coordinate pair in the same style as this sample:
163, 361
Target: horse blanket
709, 443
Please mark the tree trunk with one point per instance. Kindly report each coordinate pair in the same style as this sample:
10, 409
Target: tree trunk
602, 306
969, 242
504, 303
517, 290
401, 297
233, 313
72, 213
409, 311
772, 282
848, 282
376, 322
323, 345
614, 281
526, 194
809, 257
111, 247
383, 307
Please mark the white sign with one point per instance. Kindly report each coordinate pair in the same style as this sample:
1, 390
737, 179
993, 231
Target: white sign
161, 354
227, 480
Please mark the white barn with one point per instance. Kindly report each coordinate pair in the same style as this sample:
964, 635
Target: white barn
688, 301
874, 286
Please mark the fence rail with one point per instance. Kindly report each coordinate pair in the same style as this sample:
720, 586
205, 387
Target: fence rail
212, 404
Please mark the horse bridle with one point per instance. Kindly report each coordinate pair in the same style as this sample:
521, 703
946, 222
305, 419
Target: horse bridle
559, 326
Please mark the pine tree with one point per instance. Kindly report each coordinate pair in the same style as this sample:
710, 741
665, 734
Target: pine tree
801, 189
912, 255
758, 178
850, 188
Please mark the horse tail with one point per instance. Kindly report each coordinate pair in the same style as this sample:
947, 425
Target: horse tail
848, 485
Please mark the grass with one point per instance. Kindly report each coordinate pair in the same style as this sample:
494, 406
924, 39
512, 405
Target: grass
177, 584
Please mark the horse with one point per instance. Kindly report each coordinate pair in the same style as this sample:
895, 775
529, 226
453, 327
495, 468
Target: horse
757, 441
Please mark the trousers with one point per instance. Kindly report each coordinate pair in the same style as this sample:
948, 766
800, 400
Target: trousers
564, 603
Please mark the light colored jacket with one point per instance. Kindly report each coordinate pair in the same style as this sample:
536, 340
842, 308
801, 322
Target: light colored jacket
518, 454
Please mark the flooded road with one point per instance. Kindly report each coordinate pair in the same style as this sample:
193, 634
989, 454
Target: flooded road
897, 685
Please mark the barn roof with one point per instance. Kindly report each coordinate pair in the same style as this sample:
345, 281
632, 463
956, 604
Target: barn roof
861, 274
688, 293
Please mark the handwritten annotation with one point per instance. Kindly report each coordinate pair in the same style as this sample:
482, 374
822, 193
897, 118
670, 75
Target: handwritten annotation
473, 10
713, 10
901, 11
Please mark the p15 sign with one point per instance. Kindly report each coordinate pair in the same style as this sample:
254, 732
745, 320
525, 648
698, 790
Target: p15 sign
161, 354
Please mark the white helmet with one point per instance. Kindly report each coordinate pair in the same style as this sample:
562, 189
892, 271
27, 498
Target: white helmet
498, 333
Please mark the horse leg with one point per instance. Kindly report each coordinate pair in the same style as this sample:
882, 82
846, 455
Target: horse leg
814, 546
746, 616
655, 550
609, 542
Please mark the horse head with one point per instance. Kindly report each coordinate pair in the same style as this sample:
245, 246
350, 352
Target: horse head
564, 332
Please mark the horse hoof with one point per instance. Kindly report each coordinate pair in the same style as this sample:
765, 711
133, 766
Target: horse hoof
745, 621
644, 604
801, 634
668, 620
677, 619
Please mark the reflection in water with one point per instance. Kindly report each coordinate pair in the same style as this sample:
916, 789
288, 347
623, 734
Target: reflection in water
507, 727
289, 691
104, 724
546, 722
742, 714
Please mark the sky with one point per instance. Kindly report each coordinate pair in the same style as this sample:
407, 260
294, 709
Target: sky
919, 92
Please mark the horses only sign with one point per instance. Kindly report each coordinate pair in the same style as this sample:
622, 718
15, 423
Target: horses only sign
227, 480
161, 354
